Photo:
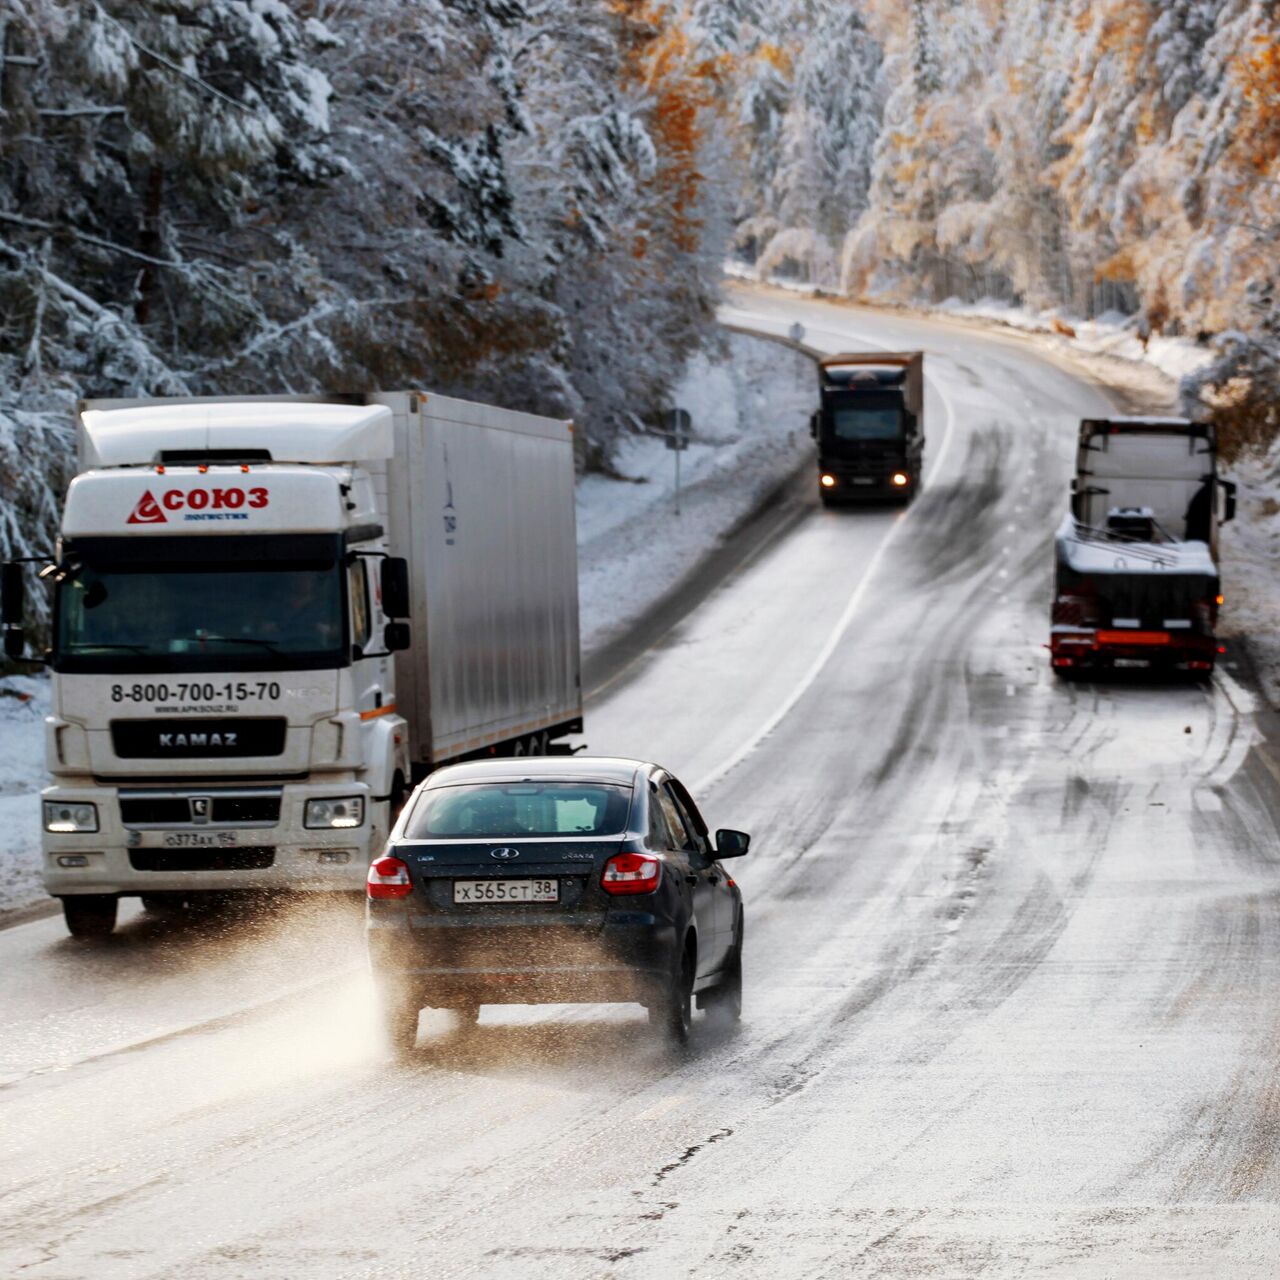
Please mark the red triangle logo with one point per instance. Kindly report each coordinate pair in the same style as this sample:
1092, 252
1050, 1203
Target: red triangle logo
148, 511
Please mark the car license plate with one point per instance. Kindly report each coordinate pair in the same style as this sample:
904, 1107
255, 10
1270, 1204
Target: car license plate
1132, 662
864, 480
200, 840
498, 891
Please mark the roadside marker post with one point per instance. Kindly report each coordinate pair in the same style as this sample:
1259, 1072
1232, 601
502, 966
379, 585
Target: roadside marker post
679, 429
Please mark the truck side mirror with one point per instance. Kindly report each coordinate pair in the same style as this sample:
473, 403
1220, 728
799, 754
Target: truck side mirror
13, 602
814, 419
395, 588
1229, 500
396, 636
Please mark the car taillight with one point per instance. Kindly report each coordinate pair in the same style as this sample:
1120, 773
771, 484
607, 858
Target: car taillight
631, 873
388, 878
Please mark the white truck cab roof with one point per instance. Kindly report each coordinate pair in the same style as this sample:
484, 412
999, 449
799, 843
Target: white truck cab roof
136, 433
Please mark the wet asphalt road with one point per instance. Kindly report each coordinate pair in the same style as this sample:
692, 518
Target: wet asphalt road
1013, 970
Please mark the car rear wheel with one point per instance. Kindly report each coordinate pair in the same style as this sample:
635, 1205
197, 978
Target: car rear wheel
398, 1013
671, 1014
90, 915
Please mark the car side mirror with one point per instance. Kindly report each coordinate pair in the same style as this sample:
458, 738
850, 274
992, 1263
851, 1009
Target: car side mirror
396, 636
395, 588
732, 844
13, 603
814, 420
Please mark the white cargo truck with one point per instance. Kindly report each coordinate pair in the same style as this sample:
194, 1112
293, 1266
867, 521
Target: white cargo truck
271, 616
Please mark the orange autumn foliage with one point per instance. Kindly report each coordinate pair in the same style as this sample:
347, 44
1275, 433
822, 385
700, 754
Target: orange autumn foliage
1259, 75
685, 88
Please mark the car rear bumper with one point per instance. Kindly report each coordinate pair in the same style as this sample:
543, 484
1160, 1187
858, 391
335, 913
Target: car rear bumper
448, 964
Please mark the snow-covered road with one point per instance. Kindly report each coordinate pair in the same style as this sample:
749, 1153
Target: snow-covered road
1013, 962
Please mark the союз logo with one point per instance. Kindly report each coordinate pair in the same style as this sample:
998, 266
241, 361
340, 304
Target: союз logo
149, 511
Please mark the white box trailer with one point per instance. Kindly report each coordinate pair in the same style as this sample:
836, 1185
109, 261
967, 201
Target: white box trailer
273, 614
482, 509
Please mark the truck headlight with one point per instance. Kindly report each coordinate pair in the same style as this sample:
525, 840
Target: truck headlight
67, 818
344, 812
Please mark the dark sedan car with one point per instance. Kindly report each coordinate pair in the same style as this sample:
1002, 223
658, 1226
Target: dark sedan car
533, 881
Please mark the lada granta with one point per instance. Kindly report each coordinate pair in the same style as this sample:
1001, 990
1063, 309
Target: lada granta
533, 881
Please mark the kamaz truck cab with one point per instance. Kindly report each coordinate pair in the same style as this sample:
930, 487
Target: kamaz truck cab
272, 615
870, 427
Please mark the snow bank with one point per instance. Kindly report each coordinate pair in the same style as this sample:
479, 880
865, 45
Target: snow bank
1250, 558
1109, 347
24, 703
750, 430
1111, 335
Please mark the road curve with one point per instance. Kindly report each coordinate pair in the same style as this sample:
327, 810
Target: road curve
1013, 973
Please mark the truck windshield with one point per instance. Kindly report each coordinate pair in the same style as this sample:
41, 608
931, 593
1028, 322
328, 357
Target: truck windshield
506, 811
868, 421
203, 616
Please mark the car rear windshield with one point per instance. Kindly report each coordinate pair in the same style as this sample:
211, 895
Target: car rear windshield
508, 810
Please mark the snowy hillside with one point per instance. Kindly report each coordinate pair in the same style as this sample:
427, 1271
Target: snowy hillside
1116, 156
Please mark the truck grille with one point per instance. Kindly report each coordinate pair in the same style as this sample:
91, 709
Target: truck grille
250, 809
250, 858
197, 739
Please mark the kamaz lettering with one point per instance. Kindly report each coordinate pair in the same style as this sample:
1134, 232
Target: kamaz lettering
198, 739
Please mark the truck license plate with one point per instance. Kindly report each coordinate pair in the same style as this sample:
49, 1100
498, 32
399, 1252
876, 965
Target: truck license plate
506, 891
864, 480
200, 840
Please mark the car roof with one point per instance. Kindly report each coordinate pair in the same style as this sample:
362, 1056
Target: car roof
606, 769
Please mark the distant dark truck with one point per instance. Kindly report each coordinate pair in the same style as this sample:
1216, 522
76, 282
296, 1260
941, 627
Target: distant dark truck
870, 428
1136, 581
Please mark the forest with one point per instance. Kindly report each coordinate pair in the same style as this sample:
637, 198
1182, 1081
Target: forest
531, 201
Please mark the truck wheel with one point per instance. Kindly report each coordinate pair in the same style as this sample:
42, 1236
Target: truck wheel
671, 1013
90, 915
398, 1015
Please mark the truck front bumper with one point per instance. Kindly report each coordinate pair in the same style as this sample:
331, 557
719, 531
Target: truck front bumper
190, 858
874, 482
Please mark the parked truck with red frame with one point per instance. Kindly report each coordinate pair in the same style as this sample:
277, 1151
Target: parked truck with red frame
1136, 580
